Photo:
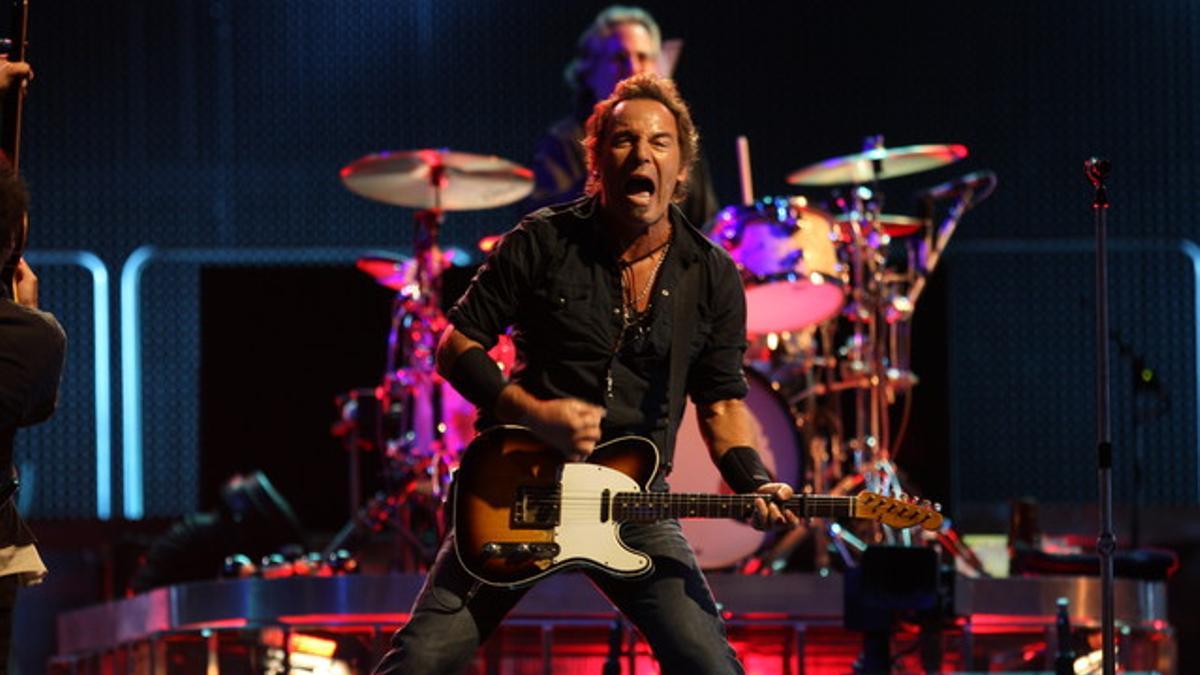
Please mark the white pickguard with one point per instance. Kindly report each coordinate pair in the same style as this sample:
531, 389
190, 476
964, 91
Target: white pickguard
580, 533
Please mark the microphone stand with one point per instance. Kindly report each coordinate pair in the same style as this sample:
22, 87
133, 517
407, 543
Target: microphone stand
1097, 171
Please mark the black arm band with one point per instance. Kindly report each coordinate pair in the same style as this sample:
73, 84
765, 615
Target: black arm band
743, 470
477, 377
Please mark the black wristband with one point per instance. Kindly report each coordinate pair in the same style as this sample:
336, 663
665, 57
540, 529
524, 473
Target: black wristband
477, 377
743, 470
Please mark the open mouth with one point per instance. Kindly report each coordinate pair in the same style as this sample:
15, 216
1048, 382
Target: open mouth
639, 188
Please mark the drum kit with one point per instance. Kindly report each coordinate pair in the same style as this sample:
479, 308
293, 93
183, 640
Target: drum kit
831, 288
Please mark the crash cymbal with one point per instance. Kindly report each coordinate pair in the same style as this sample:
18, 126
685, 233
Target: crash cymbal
391, 270
397, 272
863, 167
893, 225
464, 181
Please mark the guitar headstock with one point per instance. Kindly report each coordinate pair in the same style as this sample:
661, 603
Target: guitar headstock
895, 512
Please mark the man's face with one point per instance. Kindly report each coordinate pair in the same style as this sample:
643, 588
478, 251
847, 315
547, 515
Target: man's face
626, 52
639, 162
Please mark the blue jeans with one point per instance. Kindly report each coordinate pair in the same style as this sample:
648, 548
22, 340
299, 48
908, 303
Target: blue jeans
672, 607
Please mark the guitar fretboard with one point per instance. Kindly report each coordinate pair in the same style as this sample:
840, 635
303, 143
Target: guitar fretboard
654, 506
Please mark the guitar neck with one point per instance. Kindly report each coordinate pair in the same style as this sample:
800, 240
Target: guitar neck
654, 506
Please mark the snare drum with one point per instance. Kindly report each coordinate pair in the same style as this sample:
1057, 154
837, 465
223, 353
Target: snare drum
721, 543
786, 252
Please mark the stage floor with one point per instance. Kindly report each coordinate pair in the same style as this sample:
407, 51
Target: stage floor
779, 624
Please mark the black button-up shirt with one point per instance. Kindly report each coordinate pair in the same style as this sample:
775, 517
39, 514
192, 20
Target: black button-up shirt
555, 280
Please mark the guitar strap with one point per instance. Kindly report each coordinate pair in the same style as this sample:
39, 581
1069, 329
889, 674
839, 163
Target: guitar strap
682, 308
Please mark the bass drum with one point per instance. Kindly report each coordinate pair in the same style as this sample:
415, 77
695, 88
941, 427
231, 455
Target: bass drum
722, 542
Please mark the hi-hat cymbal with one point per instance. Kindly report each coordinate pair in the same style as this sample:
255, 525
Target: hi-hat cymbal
893, 225
465, 181
863, 167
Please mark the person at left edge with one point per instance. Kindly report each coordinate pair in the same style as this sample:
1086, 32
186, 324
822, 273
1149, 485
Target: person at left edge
32, 352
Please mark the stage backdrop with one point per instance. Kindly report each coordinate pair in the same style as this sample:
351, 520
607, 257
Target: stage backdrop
214, 131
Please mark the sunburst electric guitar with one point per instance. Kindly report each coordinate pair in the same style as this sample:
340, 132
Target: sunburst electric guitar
521, 512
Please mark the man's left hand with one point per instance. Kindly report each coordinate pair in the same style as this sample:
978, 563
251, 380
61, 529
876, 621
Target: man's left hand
767, 511
25, 285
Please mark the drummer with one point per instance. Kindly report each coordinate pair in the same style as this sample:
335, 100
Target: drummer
622, 41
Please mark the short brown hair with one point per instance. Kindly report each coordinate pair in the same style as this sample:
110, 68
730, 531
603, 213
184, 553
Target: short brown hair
643, 86
601, 27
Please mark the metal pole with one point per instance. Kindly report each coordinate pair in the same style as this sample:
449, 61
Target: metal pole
1097, 171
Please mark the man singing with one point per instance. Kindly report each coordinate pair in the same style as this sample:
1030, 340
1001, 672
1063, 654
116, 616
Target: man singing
600, 292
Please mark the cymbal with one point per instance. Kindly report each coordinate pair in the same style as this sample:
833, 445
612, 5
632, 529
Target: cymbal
397, 272
893, 225
466, 181
390, 270
860, 168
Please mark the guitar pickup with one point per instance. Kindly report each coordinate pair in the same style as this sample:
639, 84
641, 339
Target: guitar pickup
535, 507
520, 551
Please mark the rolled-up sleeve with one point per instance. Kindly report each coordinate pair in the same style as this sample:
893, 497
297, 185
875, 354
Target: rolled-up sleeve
716, 373
490, 304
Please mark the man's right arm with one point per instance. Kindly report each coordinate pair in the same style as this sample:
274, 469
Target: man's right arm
571, 425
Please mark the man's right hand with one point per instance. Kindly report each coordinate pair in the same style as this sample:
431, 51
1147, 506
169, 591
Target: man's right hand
569, 424
13, 71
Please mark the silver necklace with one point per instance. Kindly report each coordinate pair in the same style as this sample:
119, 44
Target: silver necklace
630, 314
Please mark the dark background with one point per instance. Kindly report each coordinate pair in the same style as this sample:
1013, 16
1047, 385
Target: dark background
221, 125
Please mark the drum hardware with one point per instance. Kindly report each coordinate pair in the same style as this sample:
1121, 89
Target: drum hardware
967, 191
416, 420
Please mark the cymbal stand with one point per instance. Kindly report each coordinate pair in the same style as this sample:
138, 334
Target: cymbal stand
867, 355
413, 447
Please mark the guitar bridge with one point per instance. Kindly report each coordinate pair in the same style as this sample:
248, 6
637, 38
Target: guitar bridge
535, 507
519, 552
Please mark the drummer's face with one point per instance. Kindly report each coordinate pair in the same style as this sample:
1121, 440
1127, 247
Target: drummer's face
626, 52
639, 162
